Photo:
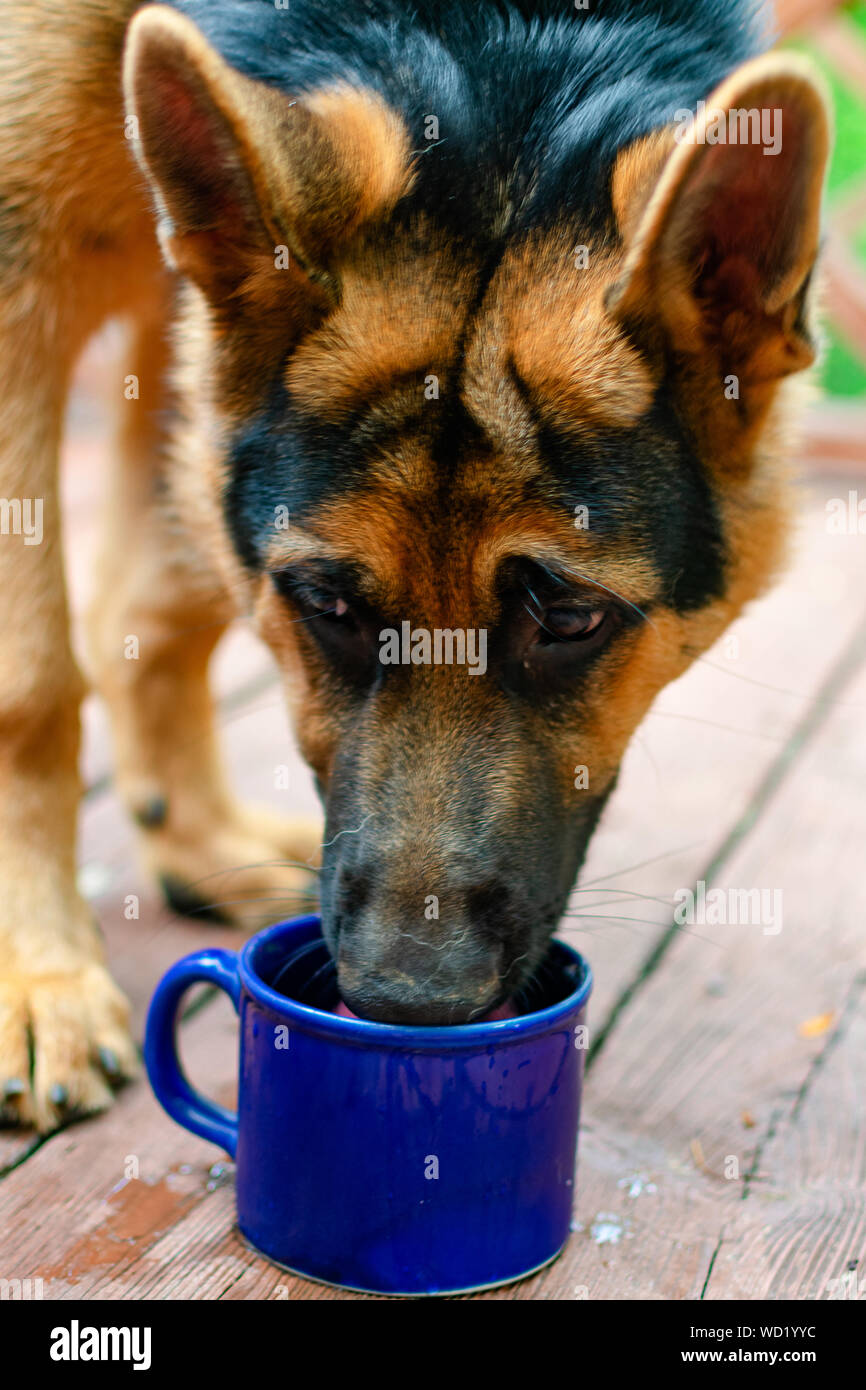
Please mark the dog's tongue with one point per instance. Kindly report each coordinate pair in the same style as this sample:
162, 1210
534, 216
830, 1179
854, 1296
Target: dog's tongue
505, 1010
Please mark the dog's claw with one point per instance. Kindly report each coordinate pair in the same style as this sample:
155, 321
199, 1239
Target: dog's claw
73, 1025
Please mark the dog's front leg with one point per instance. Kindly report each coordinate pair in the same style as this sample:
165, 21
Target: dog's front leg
63, 1022
159, 610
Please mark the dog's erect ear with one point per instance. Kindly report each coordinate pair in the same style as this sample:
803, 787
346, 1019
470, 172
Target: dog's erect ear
239, 170
718, 264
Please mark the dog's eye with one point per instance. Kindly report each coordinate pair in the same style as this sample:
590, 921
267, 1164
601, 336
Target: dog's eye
342, 632
557, 640
328, 606
571, 624
316, 603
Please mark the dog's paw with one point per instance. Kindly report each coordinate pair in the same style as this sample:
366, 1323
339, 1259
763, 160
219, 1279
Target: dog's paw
64, 1042
249, 870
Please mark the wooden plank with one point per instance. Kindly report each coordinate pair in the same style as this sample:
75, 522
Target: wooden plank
701, 754
834, 440
805, 1216
118, 1183
696, 1095
805, 1235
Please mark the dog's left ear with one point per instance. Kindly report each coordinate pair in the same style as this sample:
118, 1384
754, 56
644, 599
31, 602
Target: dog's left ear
719, 259
241, 172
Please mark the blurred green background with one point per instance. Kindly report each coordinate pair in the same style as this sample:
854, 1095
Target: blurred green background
844, 371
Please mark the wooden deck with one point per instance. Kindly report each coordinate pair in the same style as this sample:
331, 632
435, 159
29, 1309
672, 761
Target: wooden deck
723, 1145
723, 1148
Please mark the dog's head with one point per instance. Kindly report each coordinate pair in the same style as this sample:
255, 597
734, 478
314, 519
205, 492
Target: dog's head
484, 502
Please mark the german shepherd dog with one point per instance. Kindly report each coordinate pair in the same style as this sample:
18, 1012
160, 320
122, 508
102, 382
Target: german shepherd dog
448, 320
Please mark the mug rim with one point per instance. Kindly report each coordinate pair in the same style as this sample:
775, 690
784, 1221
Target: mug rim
432, 1037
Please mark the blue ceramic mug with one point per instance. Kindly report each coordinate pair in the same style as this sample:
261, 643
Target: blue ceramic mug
380, 1157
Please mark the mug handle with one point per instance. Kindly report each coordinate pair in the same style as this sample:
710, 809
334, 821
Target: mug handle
171, 1088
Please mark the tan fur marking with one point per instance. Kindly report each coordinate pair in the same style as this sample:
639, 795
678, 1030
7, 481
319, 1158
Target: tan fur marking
397, 316
635, 176
370, 142
488, 521
564, 345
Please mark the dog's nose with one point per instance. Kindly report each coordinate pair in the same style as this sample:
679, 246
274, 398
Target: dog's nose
483, 905
390, 993
423, 937
408, 957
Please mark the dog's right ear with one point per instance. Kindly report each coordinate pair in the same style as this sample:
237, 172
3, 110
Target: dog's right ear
722, 228
239, 170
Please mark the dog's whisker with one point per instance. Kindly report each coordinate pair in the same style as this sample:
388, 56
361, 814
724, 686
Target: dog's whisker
645, 749
350, 831
535, 618
259, 864
641, 864
624, 893
253, 900
811, 697
613, 902
639, 921
714, 724
516, 962
612, 917
597, 584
